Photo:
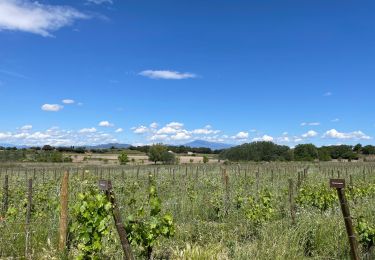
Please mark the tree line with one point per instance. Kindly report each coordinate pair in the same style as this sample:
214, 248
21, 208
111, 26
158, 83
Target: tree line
269, 151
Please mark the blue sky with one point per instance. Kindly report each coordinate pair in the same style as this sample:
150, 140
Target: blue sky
87, 72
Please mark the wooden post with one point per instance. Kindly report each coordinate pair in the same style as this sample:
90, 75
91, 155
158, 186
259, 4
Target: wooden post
63, 229
291, 201
339, 184
5, 195
28, 216
226, 182
106, 185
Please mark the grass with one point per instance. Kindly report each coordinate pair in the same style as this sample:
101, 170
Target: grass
209, 222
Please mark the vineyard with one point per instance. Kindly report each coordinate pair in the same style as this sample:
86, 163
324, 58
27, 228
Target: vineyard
203, 211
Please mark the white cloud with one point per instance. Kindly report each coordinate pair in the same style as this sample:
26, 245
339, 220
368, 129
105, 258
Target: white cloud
52, 107
68, 101
171, 128
34, 17
88, 130
159, 138
334, 134
26, 127
241, 135
310, 124
327, 94
166, 74
175, 125
283, 139
205, 131
154, 125
119, 130
106, 124
181, 136
5, 135
266, 138
309, 134
99, 2
140, 129
56, 137
335, 120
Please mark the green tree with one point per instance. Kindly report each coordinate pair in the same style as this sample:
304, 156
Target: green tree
368, 149
205, 159
155, 153
305, 152
357, 148
168, 157
257, 151
123, 158
324, 154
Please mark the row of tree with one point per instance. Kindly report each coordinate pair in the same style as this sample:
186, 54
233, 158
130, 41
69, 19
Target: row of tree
268, 151
177, 149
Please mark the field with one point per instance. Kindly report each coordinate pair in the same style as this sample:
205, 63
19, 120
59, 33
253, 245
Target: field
236, 211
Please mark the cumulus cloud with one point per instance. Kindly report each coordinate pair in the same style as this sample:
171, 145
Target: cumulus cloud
309, 134
176, 132
154, 125
106, 124
88, 130
241, 135
205, 131
140, 129
57, 137
166, 74
181, 136
52, 107
37, 18
356, 135
99, 2
119, 130
68, 101
310, 124
171, 128
265, 138
4, 136
335, 120
159, 137
26, 127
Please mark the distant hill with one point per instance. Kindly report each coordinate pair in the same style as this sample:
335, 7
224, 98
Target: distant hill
14, 145
206, 144
108, 146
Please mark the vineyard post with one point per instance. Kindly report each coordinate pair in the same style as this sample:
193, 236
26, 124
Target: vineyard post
64, 211
28, 216
106, 185
291, 201
226, 182
5, 195
339, 184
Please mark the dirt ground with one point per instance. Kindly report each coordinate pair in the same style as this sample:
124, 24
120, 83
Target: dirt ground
111, 159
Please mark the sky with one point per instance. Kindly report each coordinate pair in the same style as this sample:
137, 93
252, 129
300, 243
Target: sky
88, 72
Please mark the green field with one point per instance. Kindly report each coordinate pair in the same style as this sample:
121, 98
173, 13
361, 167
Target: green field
236, 211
